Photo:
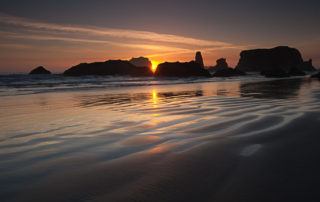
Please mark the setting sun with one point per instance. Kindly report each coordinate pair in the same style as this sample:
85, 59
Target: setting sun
154, 65
154, 68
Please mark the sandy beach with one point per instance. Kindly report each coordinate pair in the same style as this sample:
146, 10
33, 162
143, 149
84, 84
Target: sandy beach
229, 140
159, 101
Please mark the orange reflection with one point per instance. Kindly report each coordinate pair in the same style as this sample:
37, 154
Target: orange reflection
162, 148
155, 98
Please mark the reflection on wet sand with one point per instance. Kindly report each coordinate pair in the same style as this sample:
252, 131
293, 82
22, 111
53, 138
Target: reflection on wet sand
122, 99
155, 98
162, 144
276, 89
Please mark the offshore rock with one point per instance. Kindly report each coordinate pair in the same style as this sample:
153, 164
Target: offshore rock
178, 69
296, 72
307, 66
275, 73
40, 70
221, 64
110, 67
282, 57
199, 59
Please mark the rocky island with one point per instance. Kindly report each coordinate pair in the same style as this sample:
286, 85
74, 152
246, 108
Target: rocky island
40, 70
178, 69
222, 69
280, 61
221, 64
110, 67
185, 69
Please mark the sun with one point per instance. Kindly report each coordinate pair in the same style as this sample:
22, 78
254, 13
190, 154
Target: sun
154, 68
154, 65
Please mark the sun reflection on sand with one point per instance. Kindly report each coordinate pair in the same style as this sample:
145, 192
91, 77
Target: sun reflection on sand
155, 98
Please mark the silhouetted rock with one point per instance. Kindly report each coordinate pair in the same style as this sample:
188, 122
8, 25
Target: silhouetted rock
221, 64
226, 72
275, 73
110, 67
40, 70
199, 59
177, 69
316, 75
222, 70
279, 72
296, 72
141, 62
281, 57
307, 66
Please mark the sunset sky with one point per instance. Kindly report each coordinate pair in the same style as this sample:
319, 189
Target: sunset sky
60, 34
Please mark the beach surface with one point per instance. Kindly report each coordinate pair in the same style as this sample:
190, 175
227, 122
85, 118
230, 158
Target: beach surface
153, 140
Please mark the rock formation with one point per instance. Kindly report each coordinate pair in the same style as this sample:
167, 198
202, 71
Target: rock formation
281, 57
275, 73
40, 70
141, 62
177, 69
307, 66
199, 59
294, 71
221, 64
110, 67
222, 70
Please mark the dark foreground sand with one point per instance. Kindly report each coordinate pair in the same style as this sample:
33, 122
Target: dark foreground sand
281, 165
237, 149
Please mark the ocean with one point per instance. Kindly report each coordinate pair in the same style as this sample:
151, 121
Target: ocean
100, 138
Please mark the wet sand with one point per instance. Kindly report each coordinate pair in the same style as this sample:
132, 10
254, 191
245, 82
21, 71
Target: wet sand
231, 141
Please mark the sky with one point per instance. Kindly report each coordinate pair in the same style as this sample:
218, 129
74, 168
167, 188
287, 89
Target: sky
60, 34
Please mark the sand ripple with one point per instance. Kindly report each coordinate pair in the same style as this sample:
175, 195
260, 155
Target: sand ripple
108, 128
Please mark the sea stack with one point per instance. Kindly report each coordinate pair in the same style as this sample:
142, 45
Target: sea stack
281, 57
178, 69
223, 70
221, 64
307, 66
40, 70
110, 67
199, 59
